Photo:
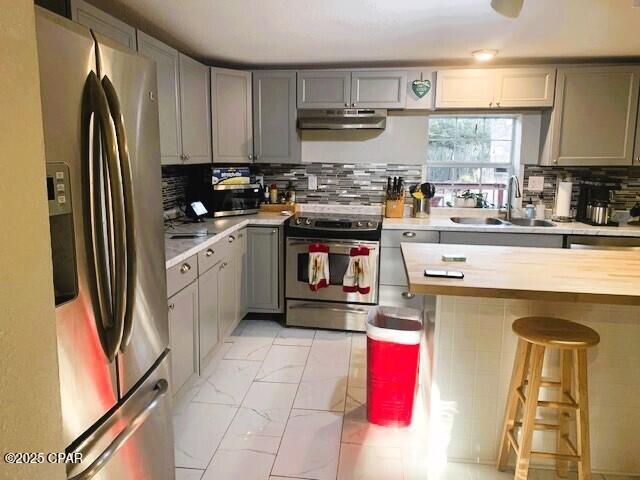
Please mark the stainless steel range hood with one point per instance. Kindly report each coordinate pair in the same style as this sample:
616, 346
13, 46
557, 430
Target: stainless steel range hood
347, 119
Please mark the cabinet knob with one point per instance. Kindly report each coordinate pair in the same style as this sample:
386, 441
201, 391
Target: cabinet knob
408, 295
638, 159
231, 239
209, 252
275, 230
409, 234
250, 157
185, 268
353, 104
172, 306
346, 104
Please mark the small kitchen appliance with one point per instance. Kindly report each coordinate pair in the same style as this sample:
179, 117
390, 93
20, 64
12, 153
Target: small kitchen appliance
330, 307
594, 203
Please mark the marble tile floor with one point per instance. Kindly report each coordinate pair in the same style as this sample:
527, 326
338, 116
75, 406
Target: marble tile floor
279, 403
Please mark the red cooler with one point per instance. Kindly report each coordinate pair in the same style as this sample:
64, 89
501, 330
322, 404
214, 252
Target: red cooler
393, 352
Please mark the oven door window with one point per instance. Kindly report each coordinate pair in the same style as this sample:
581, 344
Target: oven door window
338, 264
241, 199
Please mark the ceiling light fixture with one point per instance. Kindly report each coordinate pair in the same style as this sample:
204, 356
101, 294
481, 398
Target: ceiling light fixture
507, 8
484, 55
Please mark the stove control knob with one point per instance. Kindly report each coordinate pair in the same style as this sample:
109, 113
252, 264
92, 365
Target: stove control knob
369, 224
307, 221
298, 221
360, 224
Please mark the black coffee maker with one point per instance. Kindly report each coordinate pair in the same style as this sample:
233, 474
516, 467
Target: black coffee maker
592, 194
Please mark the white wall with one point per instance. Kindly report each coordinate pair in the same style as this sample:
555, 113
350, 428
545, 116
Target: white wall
404, 141
30, 418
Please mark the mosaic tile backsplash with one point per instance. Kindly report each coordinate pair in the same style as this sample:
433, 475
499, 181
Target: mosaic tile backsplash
627, 177
365, 184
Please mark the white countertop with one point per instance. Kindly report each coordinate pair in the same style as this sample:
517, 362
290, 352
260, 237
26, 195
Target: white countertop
443, 223
178, 250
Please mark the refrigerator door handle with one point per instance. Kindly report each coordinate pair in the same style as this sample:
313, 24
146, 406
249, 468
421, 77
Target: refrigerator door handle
127, 184
160, 389
106, 265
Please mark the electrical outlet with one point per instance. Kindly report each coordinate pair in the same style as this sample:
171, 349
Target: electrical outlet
312, 182
535, 184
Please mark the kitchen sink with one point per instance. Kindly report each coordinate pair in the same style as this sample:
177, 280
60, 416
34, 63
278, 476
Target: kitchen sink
530, 222
477, 221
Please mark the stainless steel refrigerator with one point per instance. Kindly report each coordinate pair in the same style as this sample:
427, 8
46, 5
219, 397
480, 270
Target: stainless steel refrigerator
102, 147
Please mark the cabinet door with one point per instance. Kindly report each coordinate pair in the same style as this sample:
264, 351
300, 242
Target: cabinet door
594, 118
242, 274
275, 137
183, 322
208, 311
636, 154
227, 296
168, 72
464, 88
524, 87
324, 89
103, 23
502, 239
231, 113
379, 89
263, 255
194, 111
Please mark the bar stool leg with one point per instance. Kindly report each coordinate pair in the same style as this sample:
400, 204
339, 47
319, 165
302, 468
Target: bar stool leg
566, 362
582, 414
529, 415
511, 411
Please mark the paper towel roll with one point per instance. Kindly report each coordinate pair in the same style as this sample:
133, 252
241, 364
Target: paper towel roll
563, 199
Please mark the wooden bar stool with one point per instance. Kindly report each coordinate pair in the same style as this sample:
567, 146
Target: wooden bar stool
535, 334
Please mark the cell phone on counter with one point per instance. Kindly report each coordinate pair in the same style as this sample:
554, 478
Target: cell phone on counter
443, 274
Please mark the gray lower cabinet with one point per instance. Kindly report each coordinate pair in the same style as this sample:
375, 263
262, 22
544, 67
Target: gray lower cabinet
103, 23
594, 118
208, 286
636, 151
183, 329
241, 272
503, 239
168, 73
263, 256
231, 112
275, 138
195, 115
227, 295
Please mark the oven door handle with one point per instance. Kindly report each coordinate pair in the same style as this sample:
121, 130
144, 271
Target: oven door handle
299, 243
315, 306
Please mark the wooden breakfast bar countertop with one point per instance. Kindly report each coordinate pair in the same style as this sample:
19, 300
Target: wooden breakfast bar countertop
554, 274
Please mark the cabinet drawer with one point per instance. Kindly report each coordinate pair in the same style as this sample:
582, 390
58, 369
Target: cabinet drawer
211, 255
399, 297
393, 238
181, 275
392, 267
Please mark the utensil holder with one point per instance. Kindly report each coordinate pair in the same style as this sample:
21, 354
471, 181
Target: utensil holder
394, 208
421, 207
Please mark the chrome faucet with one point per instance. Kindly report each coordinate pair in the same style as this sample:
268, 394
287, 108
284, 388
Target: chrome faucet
510, 193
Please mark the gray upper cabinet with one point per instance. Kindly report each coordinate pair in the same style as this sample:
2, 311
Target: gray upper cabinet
357, 89
324, 89
263, 257
275, 137
194, 111
378, 89
168, 72
231, 113
524, 87
103, 23
595, 114
495, 88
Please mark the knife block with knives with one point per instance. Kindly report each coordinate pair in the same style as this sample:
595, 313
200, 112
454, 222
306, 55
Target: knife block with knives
395, 197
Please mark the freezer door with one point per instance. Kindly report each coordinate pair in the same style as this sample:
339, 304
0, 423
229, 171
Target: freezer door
88, 382
136, 441
129, 81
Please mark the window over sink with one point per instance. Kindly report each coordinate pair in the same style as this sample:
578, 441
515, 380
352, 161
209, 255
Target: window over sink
477, 153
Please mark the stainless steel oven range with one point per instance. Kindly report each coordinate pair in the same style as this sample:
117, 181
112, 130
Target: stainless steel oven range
330, 307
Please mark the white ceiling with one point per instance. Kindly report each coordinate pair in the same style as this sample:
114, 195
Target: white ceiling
392, 31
